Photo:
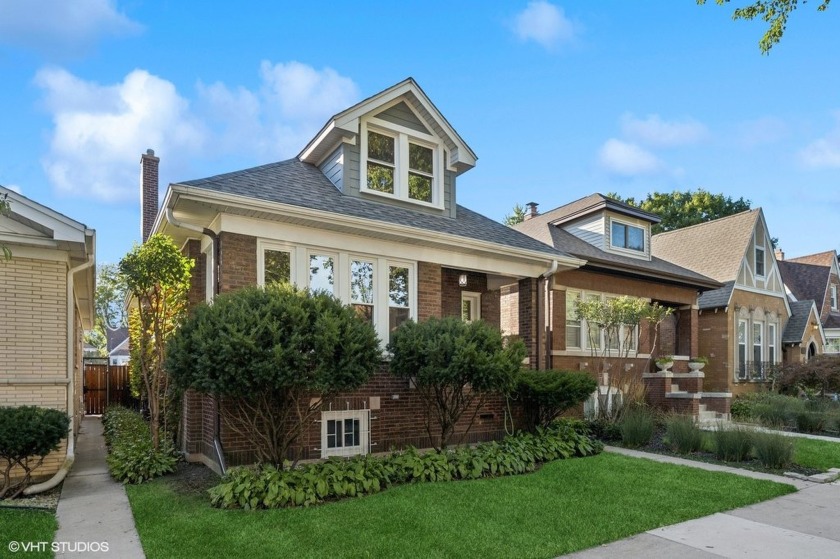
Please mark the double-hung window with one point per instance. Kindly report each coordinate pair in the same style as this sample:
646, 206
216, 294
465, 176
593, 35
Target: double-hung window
742, 349
322, 272
362, 289
759, 262
834, 297
771, 343
399, 300
573, 338
402, 163
275, 263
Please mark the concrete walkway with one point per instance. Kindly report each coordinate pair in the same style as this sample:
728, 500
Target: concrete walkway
802, 524
93, 507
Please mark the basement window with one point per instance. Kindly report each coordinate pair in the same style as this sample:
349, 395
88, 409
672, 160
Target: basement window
345, 433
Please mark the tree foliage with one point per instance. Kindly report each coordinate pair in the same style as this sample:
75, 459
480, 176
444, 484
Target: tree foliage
820, 375
774, 12
611, 327
547, 394
680, 209
276, 355
454, 366
517, 215
27, 435
157, 276
109, 304
5, 209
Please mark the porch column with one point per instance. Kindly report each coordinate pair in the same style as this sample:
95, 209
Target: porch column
528, 319
695, 331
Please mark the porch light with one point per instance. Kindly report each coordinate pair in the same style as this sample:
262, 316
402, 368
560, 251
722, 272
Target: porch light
462, 280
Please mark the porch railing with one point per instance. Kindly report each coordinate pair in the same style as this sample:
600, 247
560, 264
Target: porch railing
759, 371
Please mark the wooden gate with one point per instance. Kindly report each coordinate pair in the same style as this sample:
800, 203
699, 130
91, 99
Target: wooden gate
106, 385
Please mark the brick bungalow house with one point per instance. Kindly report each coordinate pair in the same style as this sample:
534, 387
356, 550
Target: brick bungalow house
741, 323
371, 198
614, 239
815, 277
48, 290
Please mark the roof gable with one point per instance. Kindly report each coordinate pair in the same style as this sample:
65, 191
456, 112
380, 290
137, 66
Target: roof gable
803, 314
590, 204
714, 248
345, 126
33, 219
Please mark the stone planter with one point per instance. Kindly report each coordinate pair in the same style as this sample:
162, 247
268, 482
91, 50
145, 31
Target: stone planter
696, 366
664, 366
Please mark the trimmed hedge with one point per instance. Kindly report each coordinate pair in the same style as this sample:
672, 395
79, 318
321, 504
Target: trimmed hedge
132, 457
27, 435
547, 394
269, 487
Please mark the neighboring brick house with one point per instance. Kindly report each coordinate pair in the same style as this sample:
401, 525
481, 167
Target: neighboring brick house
816, 277
367, 210
741, 323
47, 302
614, 239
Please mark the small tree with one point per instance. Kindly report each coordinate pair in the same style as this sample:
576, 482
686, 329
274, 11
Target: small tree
455, 366
27, 435
820, 375
516, 216
547, 394
157, 275
276, 354
612, 326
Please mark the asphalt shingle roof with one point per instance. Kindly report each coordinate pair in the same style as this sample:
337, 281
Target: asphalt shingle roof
591, 203
819, 259
540, 229
798, 321
805, 281
716, 298
296, 183
714, 248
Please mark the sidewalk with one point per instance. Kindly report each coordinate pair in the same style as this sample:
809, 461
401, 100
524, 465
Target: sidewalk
802, 524
93, 507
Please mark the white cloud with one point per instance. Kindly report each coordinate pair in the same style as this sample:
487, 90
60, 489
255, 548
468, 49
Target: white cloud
101, 130
627, 159
545, 24
823, 152
653, 131
59, 25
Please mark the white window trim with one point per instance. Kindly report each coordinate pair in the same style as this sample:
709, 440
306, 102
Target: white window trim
402, 136
209, 276
833, 295
771, 341
747, 338
364, 432
329, 254
475, 299
629, 251
764, 261
579, 327
760, 344
263, 245
591, 404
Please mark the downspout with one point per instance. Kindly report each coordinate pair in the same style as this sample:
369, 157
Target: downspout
546, 276
70, 456
217, 266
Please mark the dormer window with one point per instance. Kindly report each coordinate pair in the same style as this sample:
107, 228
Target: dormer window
626, 236
834, 297
401, 163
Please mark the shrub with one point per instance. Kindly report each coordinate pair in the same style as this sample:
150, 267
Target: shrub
27, 435
773, 450
810, 421
132, 456
547, 394
637, 427
603, 429
820, 374
732, 444
275, 354
455, 366
683, 434
271, 487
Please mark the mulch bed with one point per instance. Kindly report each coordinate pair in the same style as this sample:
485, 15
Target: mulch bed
192, 479
657, 445
42, 501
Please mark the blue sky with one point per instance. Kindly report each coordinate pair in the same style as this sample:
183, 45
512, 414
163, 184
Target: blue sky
558, 99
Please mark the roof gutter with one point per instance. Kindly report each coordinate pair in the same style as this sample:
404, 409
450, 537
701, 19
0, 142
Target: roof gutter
217, 254
70, 456
362, 223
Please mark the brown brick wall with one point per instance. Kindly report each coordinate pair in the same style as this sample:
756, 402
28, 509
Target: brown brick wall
198, 279
715, 342
605, 283
148, 192
528, 318
450, 291
238, 261
399, 421
428, 290
509, 311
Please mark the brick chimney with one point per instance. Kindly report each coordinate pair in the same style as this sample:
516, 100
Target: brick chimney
780, 254
148, 192
532, 210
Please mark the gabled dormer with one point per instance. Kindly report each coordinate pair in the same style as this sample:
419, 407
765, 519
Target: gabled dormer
394, 147
607, 224
759, 270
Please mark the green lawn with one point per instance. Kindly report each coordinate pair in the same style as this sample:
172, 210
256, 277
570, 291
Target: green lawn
566, 506
23, 525
816, 454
